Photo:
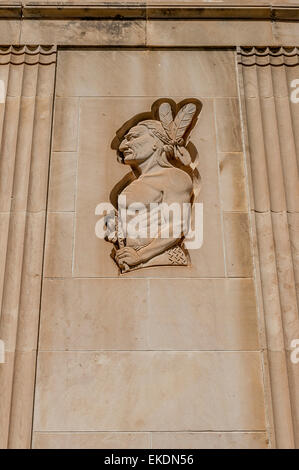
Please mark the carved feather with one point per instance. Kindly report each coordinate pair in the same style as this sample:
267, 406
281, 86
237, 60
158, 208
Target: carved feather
166, 118
183, 120
184, 156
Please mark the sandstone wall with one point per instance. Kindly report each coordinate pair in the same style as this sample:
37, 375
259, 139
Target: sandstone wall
169, 357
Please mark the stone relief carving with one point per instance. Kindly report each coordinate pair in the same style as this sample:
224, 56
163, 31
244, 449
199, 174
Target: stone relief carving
153, 202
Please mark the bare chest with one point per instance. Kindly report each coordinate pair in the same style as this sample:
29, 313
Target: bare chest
141, 192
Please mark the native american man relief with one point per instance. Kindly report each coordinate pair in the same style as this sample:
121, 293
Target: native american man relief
153, 202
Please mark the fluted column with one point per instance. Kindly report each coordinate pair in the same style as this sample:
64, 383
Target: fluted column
271, 120
28, 75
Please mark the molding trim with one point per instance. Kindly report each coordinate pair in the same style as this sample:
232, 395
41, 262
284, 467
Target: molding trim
263, 56
149, 10
30, 55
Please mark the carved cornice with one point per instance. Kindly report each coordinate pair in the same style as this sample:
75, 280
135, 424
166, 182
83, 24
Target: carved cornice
30, 55
149, 10
263, 56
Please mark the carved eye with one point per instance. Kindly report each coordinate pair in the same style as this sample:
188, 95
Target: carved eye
131, 136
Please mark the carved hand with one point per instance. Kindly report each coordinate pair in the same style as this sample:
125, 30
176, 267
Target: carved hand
110, 224
129, 256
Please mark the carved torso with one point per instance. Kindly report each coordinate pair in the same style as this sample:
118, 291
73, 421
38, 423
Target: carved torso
152, 189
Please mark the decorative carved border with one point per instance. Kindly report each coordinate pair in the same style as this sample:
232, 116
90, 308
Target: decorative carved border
29, 55
272, 121
25, 132
263, 56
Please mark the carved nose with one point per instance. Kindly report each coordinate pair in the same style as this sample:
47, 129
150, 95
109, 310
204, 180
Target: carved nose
123, 146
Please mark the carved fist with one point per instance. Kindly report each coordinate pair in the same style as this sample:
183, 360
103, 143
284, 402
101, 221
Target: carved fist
127, 256
110, 225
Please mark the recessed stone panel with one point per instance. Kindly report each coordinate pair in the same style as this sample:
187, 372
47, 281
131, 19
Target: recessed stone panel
149, 391
96, 179
137, 314
147, 73
168, 350
82, 314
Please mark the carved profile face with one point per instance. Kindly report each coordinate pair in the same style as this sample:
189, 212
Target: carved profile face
138, 145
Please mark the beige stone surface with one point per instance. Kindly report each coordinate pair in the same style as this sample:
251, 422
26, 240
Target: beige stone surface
29, 295
65, 137
170, 352
203, 314
202, 33
25, 137
269, 279
234, 24
10, 31
286, 33
83, 2
92, 440
6, 380
280, 387
159, 440
129, 391
272, 153
209, 440
21, 406
272, 123
16, 398
203, 2
93, 32
95, 180
276, 118
293, 384
93, 139
153, 2
94, 314
4, 228
288, 152
228, 125
154, 341
20, 148
23, 154
59, 244
237, 244
38, 178
87, 314
293, 220
286, 266
232, 182
9, 141
62, 186
146, 73
12, 281
258, 163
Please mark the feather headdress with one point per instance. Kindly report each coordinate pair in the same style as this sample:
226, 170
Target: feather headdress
175, 129
170, 122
